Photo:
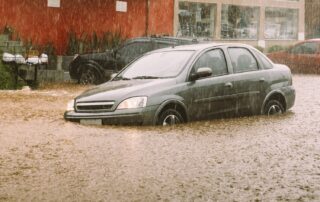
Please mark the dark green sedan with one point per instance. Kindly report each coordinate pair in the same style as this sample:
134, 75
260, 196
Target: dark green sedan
185, 83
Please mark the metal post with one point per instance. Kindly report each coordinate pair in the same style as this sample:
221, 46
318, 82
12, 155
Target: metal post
147, 17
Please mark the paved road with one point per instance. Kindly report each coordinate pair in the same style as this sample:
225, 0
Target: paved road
42, 157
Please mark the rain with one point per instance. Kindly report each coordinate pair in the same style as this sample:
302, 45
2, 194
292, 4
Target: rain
44, 157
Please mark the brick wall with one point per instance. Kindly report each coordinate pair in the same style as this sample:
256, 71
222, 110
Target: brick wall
32, 19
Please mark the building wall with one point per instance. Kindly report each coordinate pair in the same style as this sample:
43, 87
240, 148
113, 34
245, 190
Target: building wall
161, 17
262, 4
33, 20
312, 18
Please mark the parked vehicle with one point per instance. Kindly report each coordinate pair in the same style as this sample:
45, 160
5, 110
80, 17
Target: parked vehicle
186, 83
96, 68
303, 57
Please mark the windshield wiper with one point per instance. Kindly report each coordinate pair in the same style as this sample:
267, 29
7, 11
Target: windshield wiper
146, 77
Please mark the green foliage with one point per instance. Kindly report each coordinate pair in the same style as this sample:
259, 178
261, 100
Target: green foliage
28, 44
50, 50
260, 48
8, 30
278, 48
6, 77
11, 32
73, 43
93, 43
275, 48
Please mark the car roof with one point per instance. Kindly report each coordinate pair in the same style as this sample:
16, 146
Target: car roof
169, 39
161, 38
202, 46
313, 40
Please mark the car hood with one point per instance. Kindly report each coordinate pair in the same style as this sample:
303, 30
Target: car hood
119, 90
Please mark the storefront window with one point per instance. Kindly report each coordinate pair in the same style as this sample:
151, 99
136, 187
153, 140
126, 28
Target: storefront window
196, 19
239, 22
281, 23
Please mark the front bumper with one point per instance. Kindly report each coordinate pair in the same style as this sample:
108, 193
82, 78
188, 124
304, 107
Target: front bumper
140, 116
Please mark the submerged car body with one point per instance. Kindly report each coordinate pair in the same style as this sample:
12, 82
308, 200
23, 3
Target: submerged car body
97, 68
303, 57
186, 83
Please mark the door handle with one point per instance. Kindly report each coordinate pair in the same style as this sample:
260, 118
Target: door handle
229, 85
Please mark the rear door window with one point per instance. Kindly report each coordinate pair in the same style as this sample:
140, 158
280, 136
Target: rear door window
263, 60
242, 60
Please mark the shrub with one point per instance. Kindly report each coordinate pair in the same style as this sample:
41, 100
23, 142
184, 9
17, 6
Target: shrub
259, 48
8, 31
86, 43
276, 48
6, 77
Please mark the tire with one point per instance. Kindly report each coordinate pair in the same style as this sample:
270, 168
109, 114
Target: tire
170, 117
273, 107
89, 75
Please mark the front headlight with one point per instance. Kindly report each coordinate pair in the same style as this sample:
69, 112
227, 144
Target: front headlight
132, 103
70, 105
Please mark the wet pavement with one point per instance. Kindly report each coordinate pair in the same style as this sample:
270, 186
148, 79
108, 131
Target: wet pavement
43, 157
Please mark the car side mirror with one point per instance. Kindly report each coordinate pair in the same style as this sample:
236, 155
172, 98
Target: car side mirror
201, 73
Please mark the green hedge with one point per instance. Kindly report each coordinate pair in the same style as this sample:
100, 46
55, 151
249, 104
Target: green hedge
277, 48
6, 77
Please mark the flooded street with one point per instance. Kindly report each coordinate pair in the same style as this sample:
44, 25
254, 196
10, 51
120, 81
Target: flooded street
43, 157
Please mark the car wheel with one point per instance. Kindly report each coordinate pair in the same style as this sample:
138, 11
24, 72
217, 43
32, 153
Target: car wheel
170, 117
89, 76
273, 107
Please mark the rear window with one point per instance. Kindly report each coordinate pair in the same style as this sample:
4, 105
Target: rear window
266, 64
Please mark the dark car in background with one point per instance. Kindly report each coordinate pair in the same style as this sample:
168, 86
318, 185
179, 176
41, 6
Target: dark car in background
96, 68
303, 57
186, 83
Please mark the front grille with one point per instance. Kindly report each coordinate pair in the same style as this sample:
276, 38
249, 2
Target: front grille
94, 106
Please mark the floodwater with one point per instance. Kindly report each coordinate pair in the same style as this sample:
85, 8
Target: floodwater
43, 157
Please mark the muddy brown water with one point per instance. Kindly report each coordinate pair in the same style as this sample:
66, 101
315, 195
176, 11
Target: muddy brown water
43, 157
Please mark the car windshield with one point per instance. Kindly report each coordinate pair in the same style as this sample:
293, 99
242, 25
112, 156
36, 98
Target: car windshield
156, 65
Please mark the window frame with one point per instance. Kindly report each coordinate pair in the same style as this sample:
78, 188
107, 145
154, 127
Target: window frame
201, 54
214, 30
251, 53
259, 55
258, 8
279, 38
